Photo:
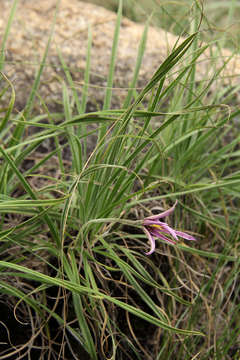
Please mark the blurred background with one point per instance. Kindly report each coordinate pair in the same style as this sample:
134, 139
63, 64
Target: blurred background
222, 20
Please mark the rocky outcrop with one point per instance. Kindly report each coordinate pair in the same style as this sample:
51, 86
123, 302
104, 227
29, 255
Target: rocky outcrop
30, 32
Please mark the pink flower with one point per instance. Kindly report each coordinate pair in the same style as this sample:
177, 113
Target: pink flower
154, 228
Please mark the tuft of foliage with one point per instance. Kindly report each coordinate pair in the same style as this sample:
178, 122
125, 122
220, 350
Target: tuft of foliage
74, 274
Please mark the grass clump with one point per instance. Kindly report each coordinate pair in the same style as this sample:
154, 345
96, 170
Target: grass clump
74, 274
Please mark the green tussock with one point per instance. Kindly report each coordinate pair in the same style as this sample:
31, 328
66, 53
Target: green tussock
74, 274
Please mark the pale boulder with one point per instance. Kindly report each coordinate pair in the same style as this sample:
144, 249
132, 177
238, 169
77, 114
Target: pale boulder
30, 32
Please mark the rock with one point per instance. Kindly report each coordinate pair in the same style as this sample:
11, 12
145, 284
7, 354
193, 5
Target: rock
29, 36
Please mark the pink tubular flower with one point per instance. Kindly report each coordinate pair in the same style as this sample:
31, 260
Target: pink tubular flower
154, 228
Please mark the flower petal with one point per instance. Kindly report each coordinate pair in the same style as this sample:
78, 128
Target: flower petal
148, 221
184, 235
167, 229
152, 241
163, 214
159, 235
